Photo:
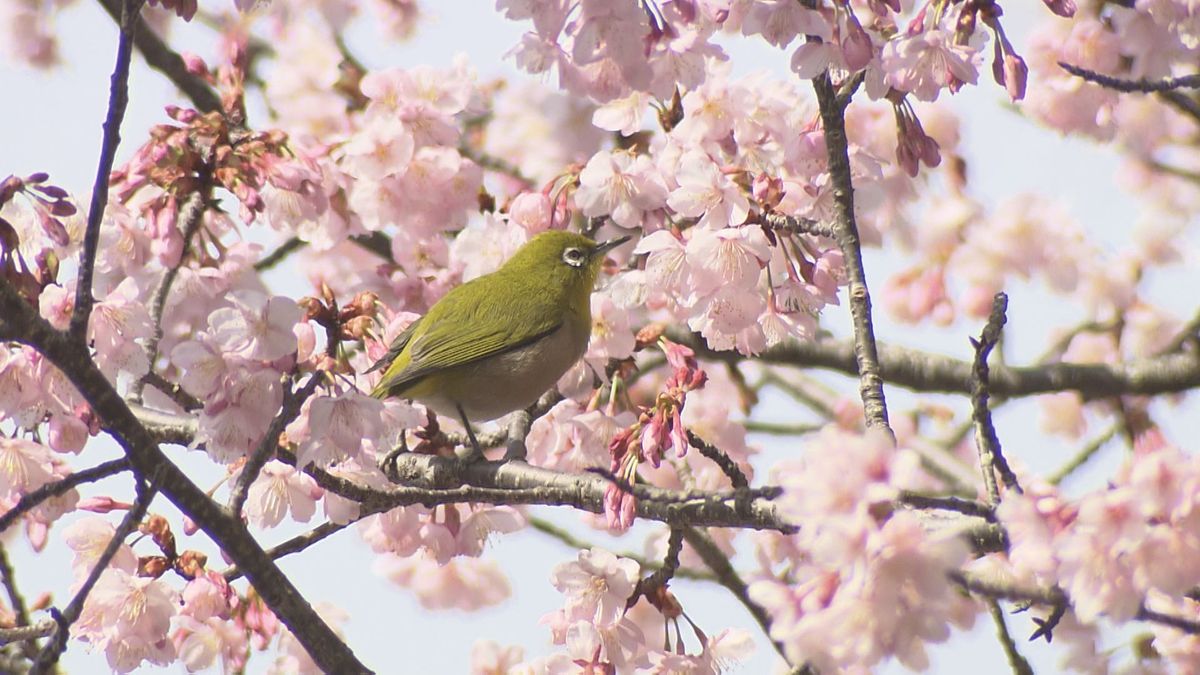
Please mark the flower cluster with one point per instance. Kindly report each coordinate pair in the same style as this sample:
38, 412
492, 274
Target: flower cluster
862, 581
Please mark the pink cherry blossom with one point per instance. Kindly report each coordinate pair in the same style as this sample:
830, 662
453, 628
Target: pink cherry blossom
489, 658
929, 61
129, 617
116, 325
256, 327
706, 193
463, 583
621, 185
333, 428
238, 414
87, 538
280, 490
597, 585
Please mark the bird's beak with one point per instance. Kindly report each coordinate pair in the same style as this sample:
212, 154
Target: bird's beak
606, 246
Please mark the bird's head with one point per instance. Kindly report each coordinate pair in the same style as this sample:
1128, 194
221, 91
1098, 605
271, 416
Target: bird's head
568, 260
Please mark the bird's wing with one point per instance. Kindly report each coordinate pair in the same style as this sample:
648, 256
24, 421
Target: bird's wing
396, 347
526, 316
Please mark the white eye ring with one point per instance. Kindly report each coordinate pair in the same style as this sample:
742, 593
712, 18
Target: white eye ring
574, 257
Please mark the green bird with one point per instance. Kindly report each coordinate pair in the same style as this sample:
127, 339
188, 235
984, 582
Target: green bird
497, 343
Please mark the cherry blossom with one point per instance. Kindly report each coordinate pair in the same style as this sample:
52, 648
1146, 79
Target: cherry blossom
597, 585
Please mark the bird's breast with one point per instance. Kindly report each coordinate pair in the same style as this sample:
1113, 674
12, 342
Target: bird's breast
498, 385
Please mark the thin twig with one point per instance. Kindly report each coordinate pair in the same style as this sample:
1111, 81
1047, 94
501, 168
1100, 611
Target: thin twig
20, 610
165, 60
189, 214
279, 254
292, 402
546, 527
1185, 103
659, 578
31, 500
58, 643
1085, 453
294, 545
728, 577
967, 507
1018, 663
1144, 85
27, 633
991, 457
118, 98
1189, 626
865, 351
780, 429
722, 460
173, 391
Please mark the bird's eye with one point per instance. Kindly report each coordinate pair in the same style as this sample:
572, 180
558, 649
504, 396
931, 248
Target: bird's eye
574, 257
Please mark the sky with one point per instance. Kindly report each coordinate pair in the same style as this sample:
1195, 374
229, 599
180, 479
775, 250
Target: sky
52, 122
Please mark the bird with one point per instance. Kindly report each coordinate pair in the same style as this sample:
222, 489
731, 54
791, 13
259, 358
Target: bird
496, 343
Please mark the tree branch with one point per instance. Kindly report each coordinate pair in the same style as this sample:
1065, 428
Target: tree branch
432, 480
294, 545
292, 402
190, 214
1145, 85
167, 61
118, 98
990, 455
20, 610
322, 644
31, 500
866, 357
728, 577
1018, 663
58, 643
926, 372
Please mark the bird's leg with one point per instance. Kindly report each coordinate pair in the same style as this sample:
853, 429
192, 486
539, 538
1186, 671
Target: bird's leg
476, 451
389, 462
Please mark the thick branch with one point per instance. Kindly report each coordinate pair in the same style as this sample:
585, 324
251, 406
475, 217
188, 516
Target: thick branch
325, 647
118, 98
926, 372
866, 357
432, 480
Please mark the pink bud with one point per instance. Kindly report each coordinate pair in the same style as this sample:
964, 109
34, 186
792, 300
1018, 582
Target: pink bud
857, 49
532, 211
67, 433
36, 532
1065, 8
53, 228
102, 505
169, 249
194, 64
1016, 74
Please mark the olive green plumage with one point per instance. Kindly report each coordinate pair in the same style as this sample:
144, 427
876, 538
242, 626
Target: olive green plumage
496, 343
